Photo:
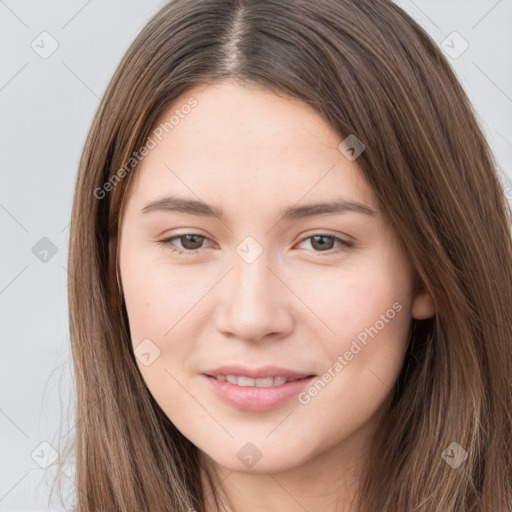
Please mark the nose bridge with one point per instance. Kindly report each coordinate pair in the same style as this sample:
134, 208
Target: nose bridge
253, 303
253, 282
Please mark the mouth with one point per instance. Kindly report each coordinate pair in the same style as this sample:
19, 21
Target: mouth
255, 394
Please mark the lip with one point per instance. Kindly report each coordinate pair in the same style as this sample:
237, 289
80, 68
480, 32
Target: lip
251, 398
257, 373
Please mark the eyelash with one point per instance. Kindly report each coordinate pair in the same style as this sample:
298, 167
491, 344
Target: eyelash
345, 245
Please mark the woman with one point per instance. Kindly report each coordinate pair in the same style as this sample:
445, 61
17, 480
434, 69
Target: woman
226, 358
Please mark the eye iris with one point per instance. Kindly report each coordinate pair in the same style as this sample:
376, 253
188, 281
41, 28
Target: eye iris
188, 238
322, 246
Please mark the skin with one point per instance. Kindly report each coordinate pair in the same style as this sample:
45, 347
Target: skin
254, 153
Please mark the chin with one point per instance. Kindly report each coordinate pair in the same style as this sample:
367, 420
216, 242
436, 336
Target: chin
249, 459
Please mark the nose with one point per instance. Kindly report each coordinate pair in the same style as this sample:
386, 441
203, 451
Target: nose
255, 302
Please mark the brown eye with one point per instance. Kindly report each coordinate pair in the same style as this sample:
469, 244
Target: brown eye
190, 243
326, 243
322, 242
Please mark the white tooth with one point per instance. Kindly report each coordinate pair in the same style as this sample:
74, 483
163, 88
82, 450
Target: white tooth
245, 381
265, 382
242, 380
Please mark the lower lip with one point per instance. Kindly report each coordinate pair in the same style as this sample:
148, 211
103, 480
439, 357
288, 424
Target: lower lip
250, 398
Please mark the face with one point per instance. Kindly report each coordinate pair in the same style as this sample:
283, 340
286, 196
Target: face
259, 281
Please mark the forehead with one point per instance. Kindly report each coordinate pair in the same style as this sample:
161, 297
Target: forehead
242, 144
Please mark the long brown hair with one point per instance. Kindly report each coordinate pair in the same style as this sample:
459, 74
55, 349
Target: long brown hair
368, 69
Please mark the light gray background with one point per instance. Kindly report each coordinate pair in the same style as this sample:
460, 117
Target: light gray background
46, 107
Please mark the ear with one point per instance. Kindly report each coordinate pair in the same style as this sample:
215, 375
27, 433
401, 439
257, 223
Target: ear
422, 305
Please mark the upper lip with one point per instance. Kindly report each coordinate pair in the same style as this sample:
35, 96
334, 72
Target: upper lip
257, 373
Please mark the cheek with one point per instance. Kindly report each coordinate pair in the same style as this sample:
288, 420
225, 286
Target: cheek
159, 300
367, 312
167, 307
351, 301
160, 306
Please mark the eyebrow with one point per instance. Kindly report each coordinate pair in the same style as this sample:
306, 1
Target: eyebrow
191, 206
